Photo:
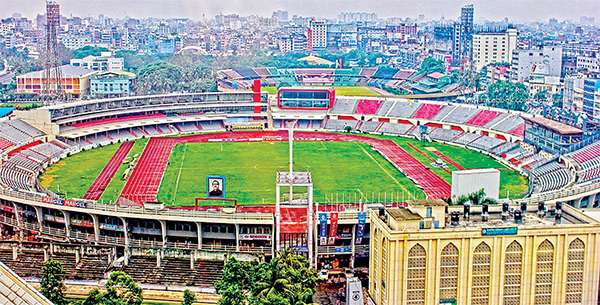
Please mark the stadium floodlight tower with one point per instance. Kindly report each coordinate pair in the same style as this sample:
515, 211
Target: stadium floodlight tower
291, 179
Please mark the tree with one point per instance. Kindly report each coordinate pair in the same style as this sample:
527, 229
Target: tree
88, 50
430, 65
188, 297
93, 298
285, 279
506, 94
235, 283
121, 289
53, 282
348, 128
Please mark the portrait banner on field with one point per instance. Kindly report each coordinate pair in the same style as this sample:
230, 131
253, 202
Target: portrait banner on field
333, 228
360, 232
215, 187
322, 229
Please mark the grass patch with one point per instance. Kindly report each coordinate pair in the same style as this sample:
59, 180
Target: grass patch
339, 90
511, 181
77, 175
250, 170
115, 186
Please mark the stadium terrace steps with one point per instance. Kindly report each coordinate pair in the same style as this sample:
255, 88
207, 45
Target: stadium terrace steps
483, 118
367, 106
460, 115
427, 111
345, 106
519, 130
442, 113
117, 120
174, 271
404, 109
108, 172
385, 107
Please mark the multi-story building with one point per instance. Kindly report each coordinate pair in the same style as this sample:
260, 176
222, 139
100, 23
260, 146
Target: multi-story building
318, 35
76, 42
493, 47
489, 255
463, 36
104, 62
591, 97
589, 62
111, 84
530, 64
74, 80
573, 93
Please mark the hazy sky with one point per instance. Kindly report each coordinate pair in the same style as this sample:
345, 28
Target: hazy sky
516, 10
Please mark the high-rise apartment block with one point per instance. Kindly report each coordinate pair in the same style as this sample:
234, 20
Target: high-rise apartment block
493, 48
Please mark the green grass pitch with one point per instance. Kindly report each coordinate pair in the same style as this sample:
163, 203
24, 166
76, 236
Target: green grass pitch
250, 170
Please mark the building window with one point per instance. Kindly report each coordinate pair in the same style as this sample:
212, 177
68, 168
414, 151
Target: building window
512, 273
449, 272
543, 273
480, 292
576, 257
384, 253
415, 286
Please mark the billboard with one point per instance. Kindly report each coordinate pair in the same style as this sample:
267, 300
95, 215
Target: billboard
215, 187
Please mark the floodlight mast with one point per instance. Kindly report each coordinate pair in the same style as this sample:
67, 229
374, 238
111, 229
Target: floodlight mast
291, 140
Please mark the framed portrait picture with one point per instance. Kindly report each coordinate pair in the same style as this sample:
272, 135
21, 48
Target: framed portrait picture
215, 186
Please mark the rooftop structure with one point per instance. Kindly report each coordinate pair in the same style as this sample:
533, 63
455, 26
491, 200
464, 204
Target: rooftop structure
507, 254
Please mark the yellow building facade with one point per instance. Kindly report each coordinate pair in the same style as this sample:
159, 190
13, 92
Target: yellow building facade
528, 263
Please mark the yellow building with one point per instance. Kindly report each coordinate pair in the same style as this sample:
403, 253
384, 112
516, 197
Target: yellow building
419, 257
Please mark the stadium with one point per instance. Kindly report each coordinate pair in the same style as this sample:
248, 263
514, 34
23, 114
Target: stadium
127, 183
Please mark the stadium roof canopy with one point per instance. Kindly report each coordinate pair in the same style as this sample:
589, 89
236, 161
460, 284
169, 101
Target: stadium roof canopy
316, 60
66, 71
561, 128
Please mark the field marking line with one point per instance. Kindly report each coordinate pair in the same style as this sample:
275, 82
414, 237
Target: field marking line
362, 195
397, 182
323, 144
221, 146
180, 169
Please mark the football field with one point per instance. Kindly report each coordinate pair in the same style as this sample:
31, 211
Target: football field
339, 168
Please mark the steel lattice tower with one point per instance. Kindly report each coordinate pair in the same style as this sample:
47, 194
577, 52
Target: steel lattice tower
52, 86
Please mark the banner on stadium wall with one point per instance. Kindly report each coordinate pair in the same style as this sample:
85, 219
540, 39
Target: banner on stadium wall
362, 220
322, 229
65, 202
333, 228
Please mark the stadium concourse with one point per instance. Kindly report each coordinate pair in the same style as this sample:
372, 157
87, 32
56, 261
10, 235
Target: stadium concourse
145, 180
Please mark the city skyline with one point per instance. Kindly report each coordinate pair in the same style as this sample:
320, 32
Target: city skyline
519, 11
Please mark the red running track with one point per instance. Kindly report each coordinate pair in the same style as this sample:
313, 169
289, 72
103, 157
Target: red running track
144, 182
108, 172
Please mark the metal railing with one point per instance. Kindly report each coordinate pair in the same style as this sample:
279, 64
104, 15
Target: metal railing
91, 207
135, 243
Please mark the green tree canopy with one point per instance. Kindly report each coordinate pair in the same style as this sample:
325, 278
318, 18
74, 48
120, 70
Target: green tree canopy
430, 65
286, 280
188, 297
121, 289
506, 94
53, 282
88, 50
